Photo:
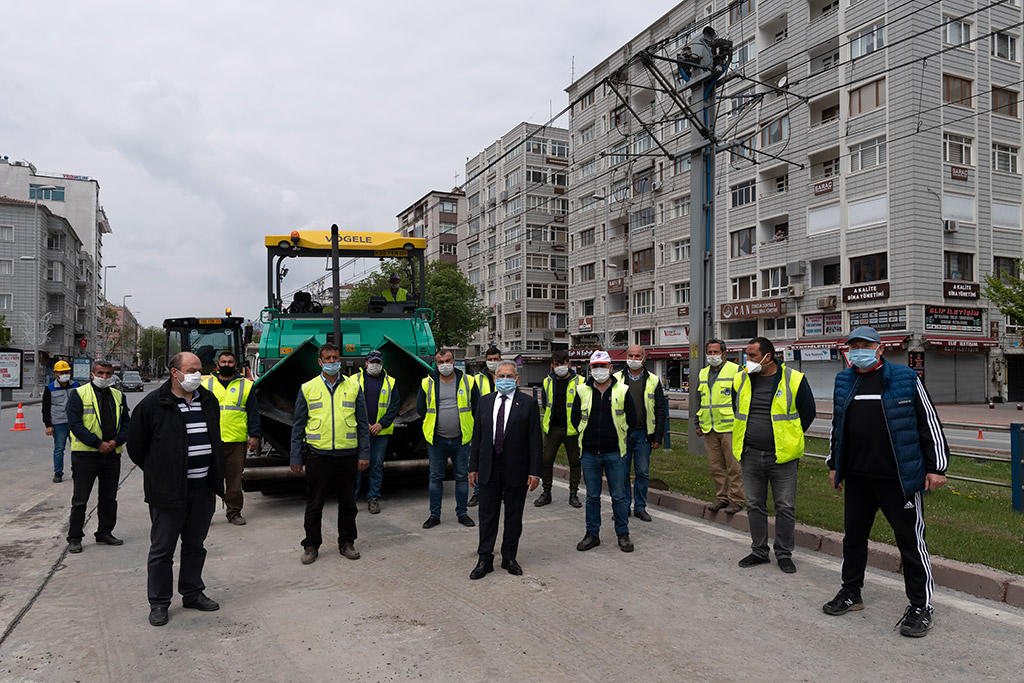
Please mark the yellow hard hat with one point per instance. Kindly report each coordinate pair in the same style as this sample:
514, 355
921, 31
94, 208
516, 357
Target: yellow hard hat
61, 365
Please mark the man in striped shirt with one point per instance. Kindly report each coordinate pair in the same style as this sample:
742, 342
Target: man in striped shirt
174, 438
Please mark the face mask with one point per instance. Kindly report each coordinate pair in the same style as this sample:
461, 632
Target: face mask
332, 368
634, 364
191, 381
600, 375
753, 368
226, 370
715, 360
102, 382
63, 379
505, 385
561, 370
492, 366
446, 368
373, 369
863, 358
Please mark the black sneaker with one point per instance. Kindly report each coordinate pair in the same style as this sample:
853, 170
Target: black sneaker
543, 499
915, 622
753, 560
58, 478
844, 602
574, 500
466, 520
474, 500
431, 522
589, 541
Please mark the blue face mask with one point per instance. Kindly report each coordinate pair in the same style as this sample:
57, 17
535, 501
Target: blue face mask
332, 368
505, 385
863, 358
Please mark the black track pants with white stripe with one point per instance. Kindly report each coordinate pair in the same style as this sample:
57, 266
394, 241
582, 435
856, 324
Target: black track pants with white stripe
864, 498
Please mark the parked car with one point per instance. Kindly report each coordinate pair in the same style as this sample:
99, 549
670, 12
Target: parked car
132, 381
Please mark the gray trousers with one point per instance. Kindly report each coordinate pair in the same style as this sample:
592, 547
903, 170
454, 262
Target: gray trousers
760, 470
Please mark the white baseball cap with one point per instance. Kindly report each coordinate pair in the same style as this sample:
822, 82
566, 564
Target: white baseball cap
600, 357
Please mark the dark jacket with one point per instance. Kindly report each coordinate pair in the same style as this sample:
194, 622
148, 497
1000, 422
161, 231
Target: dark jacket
522, 443
48, 400
158, 444
600, 435
910, 418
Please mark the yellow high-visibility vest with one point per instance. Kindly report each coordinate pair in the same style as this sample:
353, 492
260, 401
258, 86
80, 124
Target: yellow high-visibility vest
234, 423
715, 413
649, 388
570, 396
331, 424
386, 386
463, 395
619, 393
403, 295
91, 417
786, 426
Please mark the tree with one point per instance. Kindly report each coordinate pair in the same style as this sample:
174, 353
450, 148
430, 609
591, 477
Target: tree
151, 346
458, 311
1006, 291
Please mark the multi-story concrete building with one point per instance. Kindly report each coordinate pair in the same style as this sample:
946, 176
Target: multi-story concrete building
516, 244
438, 217
76, 198
877, 183
122, 335
41, 270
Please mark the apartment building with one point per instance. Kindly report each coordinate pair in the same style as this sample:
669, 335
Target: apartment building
516, 244
876, 181
438, 217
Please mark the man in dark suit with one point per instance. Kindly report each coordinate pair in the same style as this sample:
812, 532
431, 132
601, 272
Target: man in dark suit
505, 457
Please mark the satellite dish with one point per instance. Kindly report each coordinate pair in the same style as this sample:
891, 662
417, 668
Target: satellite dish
783, 82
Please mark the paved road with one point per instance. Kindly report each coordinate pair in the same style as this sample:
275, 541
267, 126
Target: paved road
677, 609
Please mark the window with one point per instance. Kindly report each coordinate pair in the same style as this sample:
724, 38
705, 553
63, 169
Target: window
618, 116
474, 276
781, 327
54, 195
958, 266
535, 203
560, 148
829, 114
513, 264
956, 32
828, 8
559, 206
823, 218
744, 52
5, 302
586, 100
560, 293
514, 206
537, 146
537, 320
588, 168
447, 228
473, 228
642, 219
956, 90
1004, 46
513, 178
643, 302
536, 291
740, 101
559, 178
54, 271
588, 133
744, 287
642, 142
587, 272
1004, 102
743, 149
513, 234
867, 41
680, 125
448, 206
740, 9
681, 293
956, 149
1003, 267
774, 281
449, 249
776, 131
1004, 158
867, 154
512, 293
867, 97
513, 153
681, 207
781, 183
680, 250
642, 181
643, 337
744, 193
681, 164
587, 237
6, 267
512, 321
536, 175
492, 242
587, 307
536, 262
643, 260
742, 242
6, 233
538, 344
869, 268
618, 154
830, 274
55, 242
620, 190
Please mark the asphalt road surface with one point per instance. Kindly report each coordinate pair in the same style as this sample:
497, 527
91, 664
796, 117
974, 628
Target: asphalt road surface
677, 609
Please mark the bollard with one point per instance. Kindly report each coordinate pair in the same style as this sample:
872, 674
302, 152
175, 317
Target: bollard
667, 445
1016, 463
991, 405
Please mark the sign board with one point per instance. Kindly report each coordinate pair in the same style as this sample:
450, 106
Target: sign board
586, 325
814, 325
993, 329
788, 355
815, 354
953, 319
390, 253
868, 292
80, 369
880, 318
616, 285
833, 323
763, 308
683, 311
959, 173
915, 359
673, 336
961, 290
11, 365
824, 187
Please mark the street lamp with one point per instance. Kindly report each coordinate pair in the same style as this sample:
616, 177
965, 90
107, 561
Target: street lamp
124, 328
103, 317
38, 259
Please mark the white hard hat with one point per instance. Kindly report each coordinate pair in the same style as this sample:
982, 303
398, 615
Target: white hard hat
600, 357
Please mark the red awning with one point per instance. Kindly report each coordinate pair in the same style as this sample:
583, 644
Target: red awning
948, 343
670, 352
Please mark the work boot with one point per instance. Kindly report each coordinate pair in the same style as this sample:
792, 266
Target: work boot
201, 603
717, 505
237, 520
574, 500
108, 539
431, 522
75, 546
58, 478
589, 541
733, 508
625, 545
474, 500
373, 506
349, 550
466, 520
543, 499
158, 615
642, 515
309, 554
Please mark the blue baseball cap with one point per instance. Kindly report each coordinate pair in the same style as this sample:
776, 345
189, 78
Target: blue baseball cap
374, 355
866, 333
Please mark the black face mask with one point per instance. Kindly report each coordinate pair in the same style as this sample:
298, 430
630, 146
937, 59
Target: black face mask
226, 370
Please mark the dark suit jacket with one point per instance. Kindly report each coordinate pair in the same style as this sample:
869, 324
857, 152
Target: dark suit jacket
523, 444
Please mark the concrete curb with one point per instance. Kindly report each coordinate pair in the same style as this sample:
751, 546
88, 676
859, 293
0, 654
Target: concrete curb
26, 402
976, 580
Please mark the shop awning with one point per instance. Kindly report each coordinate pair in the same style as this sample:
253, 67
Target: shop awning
669, 352
948, 343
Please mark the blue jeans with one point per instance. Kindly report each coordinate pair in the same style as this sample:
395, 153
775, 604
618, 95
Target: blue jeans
439, 453
61, 434
638, 458
609, 465
378, 446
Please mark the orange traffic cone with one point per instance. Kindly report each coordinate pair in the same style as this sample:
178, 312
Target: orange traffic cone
980, 437
19, 422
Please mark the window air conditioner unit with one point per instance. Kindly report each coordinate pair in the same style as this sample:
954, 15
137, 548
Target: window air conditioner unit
826, 302
796, 291
794, 268
504, 195
655, 186
950, 226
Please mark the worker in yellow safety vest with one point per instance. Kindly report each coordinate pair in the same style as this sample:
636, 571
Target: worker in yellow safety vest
557, 396
647, 432
382, 401
394, 292
239, 427
714, 423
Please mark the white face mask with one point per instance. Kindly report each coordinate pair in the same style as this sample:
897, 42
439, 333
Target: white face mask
492, 366
753, 368
561, 370
446, 368
374, 369
600, 375
191, 381
715, 360
63, 379
634, 364
102, 382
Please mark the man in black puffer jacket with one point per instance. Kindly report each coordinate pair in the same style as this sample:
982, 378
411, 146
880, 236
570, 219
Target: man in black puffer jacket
175, 440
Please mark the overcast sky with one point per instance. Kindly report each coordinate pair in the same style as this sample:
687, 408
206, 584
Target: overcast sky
212, 124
